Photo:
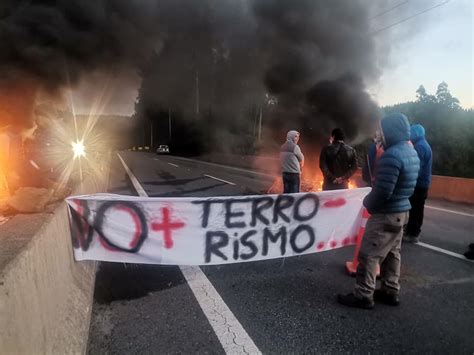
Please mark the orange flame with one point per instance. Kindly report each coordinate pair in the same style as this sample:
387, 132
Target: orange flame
4, 152
309, 183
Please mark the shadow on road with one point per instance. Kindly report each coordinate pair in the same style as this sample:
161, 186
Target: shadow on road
120, 281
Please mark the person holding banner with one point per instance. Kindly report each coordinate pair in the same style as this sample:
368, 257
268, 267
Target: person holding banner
388, 203
373, 155
292, 160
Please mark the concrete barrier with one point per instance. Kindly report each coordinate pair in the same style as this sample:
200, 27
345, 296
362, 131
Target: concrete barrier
452, 189
45, 296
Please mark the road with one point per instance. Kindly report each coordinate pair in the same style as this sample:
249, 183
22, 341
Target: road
284, 306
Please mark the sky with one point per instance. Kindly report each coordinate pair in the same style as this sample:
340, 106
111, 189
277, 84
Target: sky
430, 48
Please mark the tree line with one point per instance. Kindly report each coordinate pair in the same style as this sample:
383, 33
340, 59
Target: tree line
449, 129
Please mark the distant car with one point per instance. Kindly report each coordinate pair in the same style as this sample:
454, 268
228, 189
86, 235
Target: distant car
163, 149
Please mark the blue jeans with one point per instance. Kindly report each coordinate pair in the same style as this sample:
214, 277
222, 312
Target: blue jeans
291, 183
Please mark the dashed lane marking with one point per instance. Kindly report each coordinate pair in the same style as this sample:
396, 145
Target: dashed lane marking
232, 336
221, 180
226, 167
175, 165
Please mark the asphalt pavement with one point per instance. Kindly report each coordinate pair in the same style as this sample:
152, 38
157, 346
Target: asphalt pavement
284, 305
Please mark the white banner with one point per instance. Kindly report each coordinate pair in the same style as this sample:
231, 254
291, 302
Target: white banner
213, 230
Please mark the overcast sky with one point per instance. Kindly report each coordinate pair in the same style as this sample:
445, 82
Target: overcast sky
430, 48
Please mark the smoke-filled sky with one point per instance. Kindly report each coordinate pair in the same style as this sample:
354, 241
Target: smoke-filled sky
291, 49
430, 48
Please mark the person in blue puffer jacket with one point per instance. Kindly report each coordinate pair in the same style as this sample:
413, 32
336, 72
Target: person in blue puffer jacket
417, 200
388, 203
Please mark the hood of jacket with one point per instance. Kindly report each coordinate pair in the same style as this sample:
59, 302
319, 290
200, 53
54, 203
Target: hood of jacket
417, 132
395, 129
292, 135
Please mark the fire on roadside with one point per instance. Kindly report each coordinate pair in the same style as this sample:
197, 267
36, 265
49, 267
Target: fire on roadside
306, 186
4, 191
309, 183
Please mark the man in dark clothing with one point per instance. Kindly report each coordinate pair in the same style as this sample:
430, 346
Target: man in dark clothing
292, 160
417, 200
374, 153
388, 203
337, 162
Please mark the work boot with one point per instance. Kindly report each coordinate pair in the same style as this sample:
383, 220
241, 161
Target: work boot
411, 238
469, 254
391, 299
352, 301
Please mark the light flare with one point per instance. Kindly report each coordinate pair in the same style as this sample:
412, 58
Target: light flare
78, 149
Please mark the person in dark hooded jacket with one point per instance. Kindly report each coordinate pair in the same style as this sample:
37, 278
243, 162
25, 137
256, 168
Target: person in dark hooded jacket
338, 162
417, 200
388, 203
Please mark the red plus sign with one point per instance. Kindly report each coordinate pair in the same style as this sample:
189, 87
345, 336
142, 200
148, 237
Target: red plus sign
167, 226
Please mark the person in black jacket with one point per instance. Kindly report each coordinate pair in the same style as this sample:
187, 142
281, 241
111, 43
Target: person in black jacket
337, 162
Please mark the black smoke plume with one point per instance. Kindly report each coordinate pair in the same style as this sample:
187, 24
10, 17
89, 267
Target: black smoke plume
296, 64
50, 44
214, 68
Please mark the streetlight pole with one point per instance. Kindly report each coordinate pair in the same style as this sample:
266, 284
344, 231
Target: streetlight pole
151, 135
169, 123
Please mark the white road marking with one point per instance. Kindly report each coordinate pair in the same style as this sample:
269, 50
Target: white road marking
140, 190
221, 180
232, 336
444, 251
227, 167
449, 211
464, 280
176, 166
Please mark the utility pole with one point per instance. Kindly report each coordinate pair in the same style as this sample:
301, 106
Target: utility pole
169, 123
197, 92
151, 135
254, 125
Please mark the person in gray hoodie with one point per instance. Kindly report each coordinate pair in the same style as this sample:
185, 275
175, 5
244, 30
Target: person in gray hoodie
292, 160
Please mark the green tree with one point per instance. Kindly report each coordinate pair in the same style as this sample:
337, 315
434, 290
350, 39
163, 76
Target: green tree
423, 96
449, 130
444, 97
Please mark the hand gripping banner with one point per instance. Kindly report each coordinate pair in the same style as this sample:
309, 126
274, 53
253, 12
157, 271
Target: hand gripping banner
213, 230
